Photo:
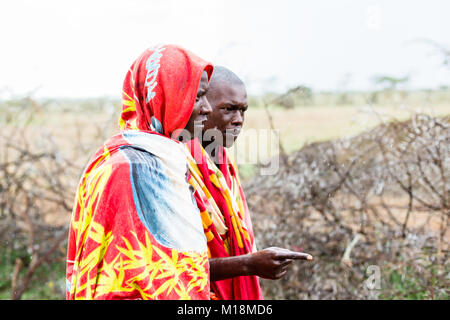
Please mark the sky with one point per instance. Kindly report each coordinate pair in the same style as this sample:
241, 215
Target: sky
80, 49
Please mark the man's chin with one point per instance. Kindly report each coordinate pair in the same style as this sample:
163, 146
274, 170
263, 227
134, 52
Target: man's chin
229, 141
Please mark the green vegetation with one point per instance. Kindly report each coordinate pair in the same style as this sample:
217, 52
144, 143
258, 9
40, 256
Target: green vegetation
48, 282
406, 284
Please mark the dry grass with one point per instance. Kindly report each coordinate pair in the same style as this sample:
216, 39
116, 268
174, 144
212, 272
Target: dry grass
305, 125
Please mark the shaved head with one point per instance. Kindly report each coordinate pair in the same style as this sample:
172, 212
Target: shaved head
222, 74
228, 99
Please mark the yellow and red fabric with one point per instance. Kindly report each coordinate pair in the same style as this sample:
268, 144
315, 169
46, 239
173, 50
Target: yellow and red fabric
136, 231
225, 216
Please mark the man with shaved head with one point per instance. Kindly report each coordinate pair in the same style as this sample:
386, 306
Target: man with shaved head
235, 264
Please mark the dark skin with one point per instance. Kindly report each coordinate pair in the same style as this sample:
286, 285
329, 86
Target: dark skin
229, 104
201, 110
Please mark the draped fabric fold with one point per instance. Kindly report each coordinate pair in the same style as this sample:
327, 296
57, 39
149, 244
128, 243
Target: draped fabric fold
136, 231
225, 216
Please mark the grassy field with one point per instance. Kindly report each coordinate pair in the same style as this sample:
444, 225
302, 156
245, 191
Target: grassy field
325, 117
300, 126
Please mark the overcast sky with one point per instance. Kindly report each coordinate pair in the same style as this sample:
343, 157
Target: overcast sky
84, 48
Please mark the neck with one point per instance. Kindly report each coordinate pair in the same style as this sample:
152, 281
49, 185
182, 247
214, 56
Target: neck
213, 150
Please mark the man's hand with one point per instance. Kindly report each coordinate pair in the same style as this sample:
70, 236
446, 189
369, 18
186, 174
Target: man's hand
272, 263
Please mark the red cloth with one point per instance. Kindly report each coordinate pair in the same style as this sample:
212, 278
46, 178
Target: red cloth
150, 95
135, 231
223, 197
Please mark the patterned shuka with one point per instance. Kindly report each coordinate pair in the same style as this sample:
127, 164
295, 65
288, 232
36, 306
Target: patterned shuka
136, 231
225, 217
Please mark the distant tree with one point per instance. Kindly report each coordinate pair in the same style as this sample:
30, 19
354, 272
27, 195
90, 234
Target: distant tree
343, 83
292, 96
389, 82
388, 85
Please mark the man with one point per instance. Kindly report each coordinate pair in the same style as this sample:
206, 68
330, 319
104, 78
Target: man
136, 231
234, 262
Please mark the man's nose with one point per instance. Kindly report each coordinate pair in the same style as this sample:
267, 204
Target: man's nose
238, 118
206, 107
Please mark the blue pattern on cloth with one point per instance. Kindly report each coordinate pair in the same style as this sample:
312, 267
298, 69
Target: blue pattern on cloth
157, 126
162, 197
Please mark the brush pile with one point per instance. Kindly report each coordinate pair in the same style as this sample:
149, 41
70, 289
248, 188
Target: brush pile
373, 210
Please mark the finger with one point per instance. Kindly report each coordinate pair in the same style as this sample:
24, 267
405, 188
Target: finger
294, 255
285, 262
280, 274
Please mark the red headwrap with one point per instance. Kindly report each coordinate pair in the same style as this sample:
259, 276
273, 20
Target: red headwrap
157, 101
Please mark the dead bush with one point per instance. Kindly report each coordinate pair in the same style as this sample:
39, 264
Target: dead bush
378, 199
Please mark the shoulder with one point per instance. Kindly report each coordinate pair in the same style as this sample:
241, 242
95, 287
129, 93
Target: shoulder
119, 165
134, 155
